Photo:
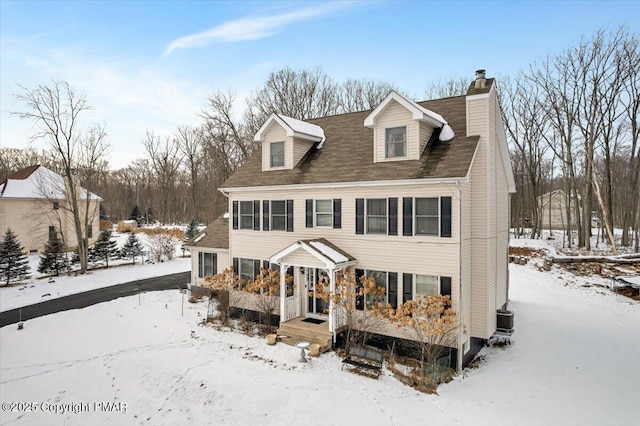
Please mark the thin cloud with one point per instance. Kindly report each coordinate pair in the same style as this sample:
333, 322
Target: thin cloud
252, 28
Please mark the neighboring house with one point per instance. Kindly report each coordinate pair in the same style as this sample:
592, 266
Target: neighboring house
414, 194
210, 250
33, 203
553, 210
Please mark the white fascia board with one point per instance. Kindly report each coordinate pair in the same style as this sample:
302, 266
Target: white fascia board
417, 112
399, 182
259, 136
473, 159
276, 258
307, 137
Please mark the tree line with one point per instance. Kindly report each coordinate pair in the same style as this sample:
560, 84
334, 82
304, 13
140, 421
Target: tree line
571, 122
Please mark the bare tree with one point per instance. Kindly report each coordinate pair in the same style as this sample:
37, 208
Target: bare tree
359, 95
165, 161
190, 145
447, 87
55, 111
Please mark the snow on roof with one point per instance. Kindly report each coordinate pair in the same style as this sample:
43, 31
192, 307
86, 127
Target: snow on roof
329, 252
293, 127
41, 183
200, 237
300, 126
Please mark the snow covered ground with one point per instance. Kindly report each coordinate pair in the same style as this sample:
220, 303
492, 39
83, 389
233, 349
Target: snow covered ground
119, 271
573, 361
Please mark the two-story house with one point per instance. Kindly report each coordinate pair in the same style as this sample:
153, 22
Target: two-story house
33, 204
415, 194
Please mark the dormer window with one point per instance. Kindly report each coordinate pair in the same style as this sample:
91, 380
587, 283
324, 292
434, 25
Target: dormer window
277, 154
396, 142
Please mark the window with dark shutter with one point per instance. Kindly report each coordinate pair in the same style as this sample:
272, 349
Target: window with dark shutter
235, 215
407, 287
265, 215
289, 215
393, 216
360, 216
265, 264
445, 286
256, 268
359, 299
407, 216
337, 213
279, 215
274, 267
236, 265
445, 217
393, 290
256, 215
309, 213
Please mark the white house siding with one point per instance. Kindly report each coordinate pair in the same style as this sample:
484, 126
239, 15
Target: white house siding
276, 133
401, 254
300, 148
425, 134
395, 115
222, 259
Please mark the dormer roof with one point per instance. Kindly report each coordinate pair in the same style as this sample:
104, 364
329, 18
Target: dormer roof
293, 127
418, 113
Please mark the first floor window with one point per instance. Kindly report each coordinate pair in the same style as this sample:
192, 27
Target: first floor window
377, 216
246, 270
52, 233
381, 281
90, 231
427, 285
427, 216
246, 214
278, 216
277, 154
206, 264
324, 213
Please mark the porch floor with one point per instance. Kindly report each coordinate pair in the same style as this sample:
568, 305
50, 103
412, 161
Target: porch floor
295, 330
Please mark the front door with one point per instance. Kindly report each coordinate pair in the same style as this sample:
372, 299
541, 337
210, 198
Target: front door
316, 303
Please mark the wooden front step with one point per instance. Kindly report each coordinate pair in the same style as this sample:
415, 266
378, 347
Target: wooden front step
294, 332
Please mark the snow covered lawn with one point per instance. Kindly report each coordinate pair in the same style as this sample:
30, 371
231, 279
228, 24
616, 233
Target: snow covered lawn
573, 361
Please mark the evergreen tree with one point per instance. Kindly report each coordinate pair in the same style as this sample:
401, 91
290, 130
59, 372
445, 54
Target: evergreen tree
13, 262
192, 229
52, 260
105, 248
131, 248
135, 214
103, 213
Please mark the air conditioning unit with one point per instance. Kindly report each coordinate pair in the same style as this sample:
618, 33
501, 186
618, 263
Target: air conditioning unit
505, 321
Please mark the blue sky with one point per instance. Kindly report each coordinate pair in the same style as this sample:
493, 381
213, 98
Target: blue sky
150, 65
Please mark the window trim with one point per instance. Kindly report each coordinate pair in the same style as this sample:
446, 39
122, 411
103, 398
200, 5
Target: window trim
415, 284
386, 216
415, 217
386, 284
284, 215
386, 142
240, 273
240, 215
271, 155
214, 266
315, 213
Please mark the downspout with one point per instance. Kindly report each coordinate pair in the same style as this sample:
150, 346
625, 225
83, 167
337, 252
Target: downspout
461, 327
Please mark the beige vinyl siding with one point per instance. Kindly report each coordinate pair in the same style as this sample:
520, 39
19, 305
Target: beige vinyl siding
493, 160
466, 254
30, 220
395, 115
302, 258
300, 149
425, 133
502, 216
401, 254
276, 133
222, 259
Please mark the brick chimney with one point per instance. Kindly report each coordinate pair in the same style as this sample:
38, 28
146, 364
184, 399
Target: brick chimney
481, 79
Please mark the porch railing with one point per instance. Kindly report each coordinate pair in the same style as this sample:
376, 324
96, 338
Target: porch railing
291, 307
340, 317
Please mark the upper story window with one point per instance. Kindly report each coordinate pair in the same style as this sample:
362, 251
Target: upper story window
427, 220
324, 213
377, 216
395, 144
277, 154
246, 214
278, 215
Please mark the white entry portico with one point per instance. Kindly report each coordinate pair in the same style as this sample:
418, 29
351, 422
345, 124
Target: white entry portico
313, 261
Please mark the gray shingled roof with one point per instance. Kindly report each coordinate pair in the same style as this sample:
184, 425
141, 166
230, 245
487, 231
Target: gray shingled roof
347, 154
216, 235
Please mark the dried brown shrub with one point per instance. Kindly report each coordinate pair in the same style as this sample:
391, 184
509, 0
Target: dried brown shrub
174, 232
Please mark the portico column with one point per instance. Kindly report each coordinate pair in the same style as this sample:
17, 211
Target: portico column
283, 292
332, 287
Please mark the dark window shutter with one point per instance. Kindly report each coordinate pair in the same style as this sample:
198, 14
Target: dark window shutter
200, 265
256, 268
289, 215
236, 266
407, 287
393, 217
274, 267
265, 264
393, 289
337, 213
445, 217
445, 286
359, 215
309, 213
215, 263
235, 215
256, 215
407, 216
359, 299
265, 215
